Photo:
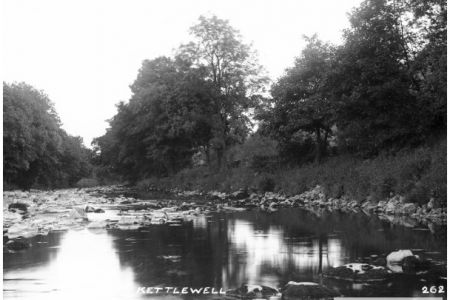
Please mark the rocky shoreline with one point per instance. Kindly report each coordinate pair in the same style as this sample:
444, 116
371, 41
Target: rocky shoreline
27, 214
37, 213
394, 209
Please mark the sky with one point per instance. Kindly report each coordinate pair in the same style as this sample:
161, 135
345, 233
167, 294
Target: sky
84, 54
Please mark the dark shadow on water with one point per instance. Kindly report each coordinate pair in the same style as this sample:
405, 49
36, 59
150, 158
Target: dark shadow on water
225, 250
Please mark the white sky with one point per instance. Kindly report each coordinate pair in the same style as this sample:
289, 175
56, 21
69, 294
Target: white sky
84, 54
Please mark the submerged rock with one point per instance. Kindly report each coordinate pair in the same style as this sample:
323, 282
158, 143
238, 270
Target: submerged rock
252, 291
18, 244
18, 206
307, 291
359, 272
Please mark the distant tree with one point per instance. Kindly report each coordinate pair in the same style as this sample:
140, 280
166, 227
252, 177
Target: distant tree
36, 150
301, 100
231, 66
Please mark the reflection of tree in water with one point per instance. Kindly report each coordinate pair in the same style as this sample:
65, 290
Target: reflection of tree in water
271, 249
177, 256
44, 249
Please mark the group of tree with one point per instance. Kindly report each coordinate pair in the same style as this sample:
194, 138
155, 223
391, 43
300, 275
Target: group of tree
383, 89
198, 101
37, 152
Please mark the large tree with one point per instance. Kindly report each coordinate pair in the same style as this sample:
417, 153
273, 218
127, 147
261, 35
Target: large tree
372, 83
231, 66
167, 120
301, 100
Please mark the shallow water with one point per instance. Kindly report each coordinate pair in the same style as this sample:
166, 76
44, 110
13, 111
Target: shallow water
222, 250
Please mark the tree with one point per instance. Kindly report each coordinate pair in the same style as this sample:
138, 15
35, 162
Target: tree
231, 66
430, 65
37, 151
301, 101
167, 120
372, 84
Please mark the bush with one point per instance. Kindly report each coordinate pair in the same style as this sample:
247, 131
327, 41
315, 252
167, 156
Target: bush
418, 174
266, 184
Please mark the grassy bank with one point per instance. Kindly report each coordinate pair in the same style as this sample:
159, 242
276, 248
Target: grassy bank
417, 174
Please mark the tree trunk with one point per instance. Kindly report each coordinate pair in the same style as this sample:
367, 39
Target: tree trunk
318, 154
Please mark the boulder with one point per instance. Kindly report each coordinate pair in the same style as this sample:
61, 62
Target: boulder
397, 257
409, 208
89, 209
18, 206
18, 244
78, 213
238, 195
25, 230
358, 272
432, 204
413, 264
252, 291
307, 290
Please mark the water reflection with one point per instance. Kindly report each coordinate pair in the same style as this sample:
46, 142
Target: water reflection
85, 266
221, 250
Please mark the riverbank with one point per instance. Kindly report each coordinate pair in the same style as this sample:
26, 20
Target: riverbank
28, 214
418, 175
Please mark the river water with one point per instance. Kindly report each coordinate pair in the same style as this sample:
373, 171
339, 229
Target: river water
222, 250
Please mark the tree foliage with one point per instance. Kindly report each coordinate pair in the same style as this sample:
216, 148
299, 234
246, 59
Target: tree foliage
198, 101
301, 100
382, 89
36, 151
232, 68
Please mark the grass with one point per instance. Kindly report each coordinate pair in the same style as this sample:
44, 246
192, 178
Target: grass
416, 174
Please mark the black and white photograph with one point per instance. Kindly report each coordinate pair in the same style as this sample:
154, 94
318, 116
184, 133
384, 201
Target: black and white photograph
224, 149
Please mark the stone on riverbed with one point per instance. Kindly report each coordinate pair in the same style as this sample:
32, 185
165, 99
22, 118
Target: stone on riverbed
252, 291
24, 230
17, 245
404, 261
359, 272
18, 206
307, 291
78, 213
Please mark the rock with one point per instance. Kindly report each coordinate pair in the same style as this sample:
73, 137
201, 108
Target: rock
18, 244
97, 225
397, 257
409, 208
18, 206
238, 195
432, 204
412, 264
252, 291
78, 213
89, 209
392, 206
358, 272
24, 230
307, 290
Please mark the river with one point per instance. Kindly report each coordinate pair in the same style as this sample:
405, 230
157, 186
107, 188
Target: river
221, 250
